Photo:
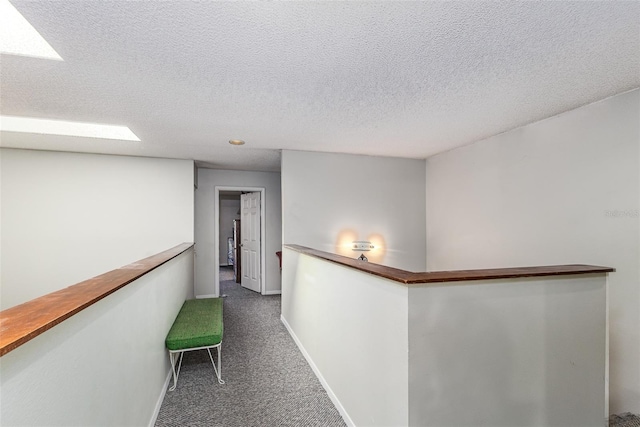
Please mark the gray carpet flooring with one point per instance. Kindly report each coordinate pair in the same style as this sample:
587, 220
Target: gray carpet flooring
268, 381
226, 273
624, 420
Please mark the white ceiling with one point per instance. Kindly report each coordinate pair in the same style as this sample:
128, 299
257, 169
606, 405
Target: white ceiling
381, 78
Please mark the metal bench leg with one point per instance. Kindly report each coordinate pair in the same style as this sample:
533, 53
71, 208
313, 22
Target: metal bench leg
217, 370
172, 357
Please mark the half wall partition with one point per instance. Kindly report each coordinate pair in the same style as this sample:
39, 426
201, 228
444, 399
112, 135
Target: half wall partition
517, 346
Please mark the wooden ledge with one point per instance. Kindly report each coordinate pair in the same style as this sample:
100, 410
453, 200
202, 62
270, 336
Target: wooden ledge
411, 278
26, 321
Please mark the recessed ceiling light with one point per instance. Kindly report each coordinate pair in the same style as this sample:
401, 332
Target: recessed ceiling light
236, 142
18, 37
60, 127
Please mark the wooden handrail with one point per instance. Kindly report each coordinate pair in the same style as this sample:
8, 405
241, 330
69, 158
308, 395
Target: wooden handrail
26, 321
411, 278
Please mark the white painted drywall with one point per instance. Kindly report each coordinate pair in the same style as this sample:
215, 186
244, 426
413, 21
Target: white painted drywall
208, 179
105, 366
526, 352
352, 327
329, 200
228, 212
563, 190
67, 217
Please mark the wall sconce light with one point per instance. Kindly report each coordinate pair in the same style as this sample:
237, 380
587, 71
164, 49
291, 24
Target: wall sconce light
362, 246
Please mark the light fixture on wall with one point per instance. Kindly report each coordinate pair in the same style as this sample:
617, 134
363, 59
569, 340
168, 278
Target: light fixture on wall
362, 246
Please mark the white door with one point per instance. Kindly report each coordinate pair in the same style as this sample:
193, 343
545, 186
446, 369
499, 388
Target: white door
250, 234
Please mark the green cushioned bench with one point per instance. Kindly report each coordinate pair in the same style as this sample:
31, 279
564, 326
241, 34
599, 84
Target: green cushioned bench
198, 326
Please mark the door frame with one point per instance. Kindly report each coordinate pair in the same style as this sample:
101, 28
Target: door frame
216, 232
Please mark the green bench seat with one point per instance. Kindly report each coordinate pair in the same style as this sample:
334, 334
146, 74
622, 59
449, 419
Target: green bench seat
198, 326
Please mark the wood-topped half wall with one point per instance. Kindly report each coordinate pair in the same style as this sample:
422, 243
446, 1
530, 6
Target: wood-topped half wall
411, 278
510, 346
26, 321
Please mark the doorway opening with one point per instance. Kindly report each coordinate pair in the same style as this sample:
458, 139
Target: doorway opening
240, 237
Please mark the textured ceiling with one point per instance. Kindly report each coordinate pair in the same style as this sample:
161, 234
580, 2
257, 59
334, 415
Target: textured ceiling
390, 78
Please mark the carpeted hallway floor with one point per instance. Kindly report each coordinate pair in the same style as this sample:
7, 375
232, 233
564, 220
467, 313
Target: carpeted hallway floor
268, 381
624, 420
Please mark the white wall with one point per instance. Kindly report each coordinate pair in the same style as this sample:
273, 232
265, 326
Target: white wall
560, 191
228, 212
352, 328
67, 217
513, 352
105, 366
208, 179
330, 200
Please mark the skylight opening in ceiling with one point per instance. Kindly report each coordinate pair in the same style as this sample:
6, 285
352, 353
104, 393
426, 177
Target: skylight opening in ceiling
65, 128
18, 37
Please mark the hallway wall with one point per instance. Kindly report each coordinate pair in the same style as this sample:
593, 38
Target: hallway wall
330, 200
67, 217
206, 250
561, 191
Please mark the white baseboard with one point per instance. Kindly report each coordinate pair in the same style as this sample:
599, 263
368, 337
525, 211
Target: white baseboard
156, 411
206, 296
276, 292
316, 371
